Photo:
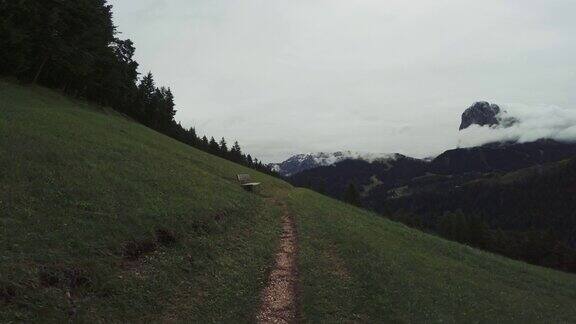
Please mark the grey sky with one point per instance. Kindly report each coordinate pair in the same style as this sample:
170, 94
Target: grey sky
294, 76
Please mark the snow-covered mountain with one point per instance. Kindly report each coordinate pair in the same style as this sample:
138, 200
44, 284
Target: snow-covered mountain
301, 162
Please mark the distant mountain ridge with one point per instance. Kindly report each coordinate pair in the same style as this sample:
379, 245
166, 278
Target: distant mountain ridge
402, 176
481, 113
501, 157
449, 168
521, 196
307, 161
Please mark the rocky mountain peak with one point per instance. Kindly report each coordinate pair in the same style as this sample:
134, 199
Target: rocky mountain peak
480, 113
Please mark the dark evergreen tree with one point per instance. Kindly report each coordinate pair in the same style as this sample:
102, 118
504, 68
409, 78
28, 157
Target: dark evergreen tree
167, 110
146, 98
223, 147
213, 146
477, 232
192, 137
204, 142
236, 153
321, 186
352, 197
71, 45
454, 226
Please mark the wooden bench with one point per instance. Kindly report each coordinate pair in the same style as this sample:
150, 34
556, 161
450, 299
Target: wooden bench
246, 182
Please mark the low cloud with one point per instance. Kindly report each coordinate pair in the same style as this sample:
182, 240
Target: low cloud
286, 77
533, 123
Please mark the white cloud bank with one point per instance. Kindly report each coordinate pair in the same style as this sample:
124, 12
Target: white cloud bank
533, 123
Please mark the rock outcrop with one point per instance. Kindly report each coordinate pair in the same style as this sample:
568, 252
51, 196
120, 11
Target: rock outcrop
481, 113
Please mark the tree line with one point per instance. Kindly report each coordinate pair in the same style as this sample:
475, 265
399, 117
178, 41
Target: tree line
531, 219
72, 46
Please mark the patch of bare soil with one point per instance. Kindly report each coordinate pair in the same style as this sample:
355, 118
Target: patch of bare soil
279, 298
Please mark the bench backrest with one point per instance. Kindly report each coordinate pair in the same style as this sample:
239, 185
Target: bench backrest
244, 178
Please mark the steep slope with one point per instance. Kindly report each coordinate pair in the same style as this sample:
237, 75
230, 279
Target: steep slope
355, 267
103, 220
531, 220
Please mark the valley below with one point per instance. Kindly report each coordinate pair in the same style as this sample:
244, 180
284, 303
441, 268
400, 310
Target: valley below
515, 199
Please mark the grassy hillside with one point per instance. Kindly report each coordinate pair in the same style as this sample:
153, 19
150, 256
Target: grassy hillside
89, 202
356, 266
105, 220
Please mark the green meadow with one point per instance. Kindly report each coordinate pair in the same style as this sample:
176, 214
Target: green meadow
105, 220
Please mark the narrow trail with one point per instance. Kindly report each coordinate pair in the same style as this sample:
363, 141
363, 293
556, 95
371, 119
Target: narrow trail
279, 299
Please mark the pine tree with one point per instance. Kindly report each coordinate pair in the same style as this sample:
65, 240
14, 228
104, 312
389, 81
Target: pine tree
213, 146
477, 232
146, 93
72, 46
223, 148
236, 153
192, 137
167, 113
454, 226
352, 197
204, 143
321, 186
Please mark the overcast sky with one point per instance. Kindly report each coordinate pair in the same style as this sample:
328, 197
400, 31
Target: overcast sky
296, 76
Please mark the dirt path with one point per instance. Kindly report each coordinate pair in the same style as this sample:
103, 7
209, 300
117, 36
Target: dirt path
279, 298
